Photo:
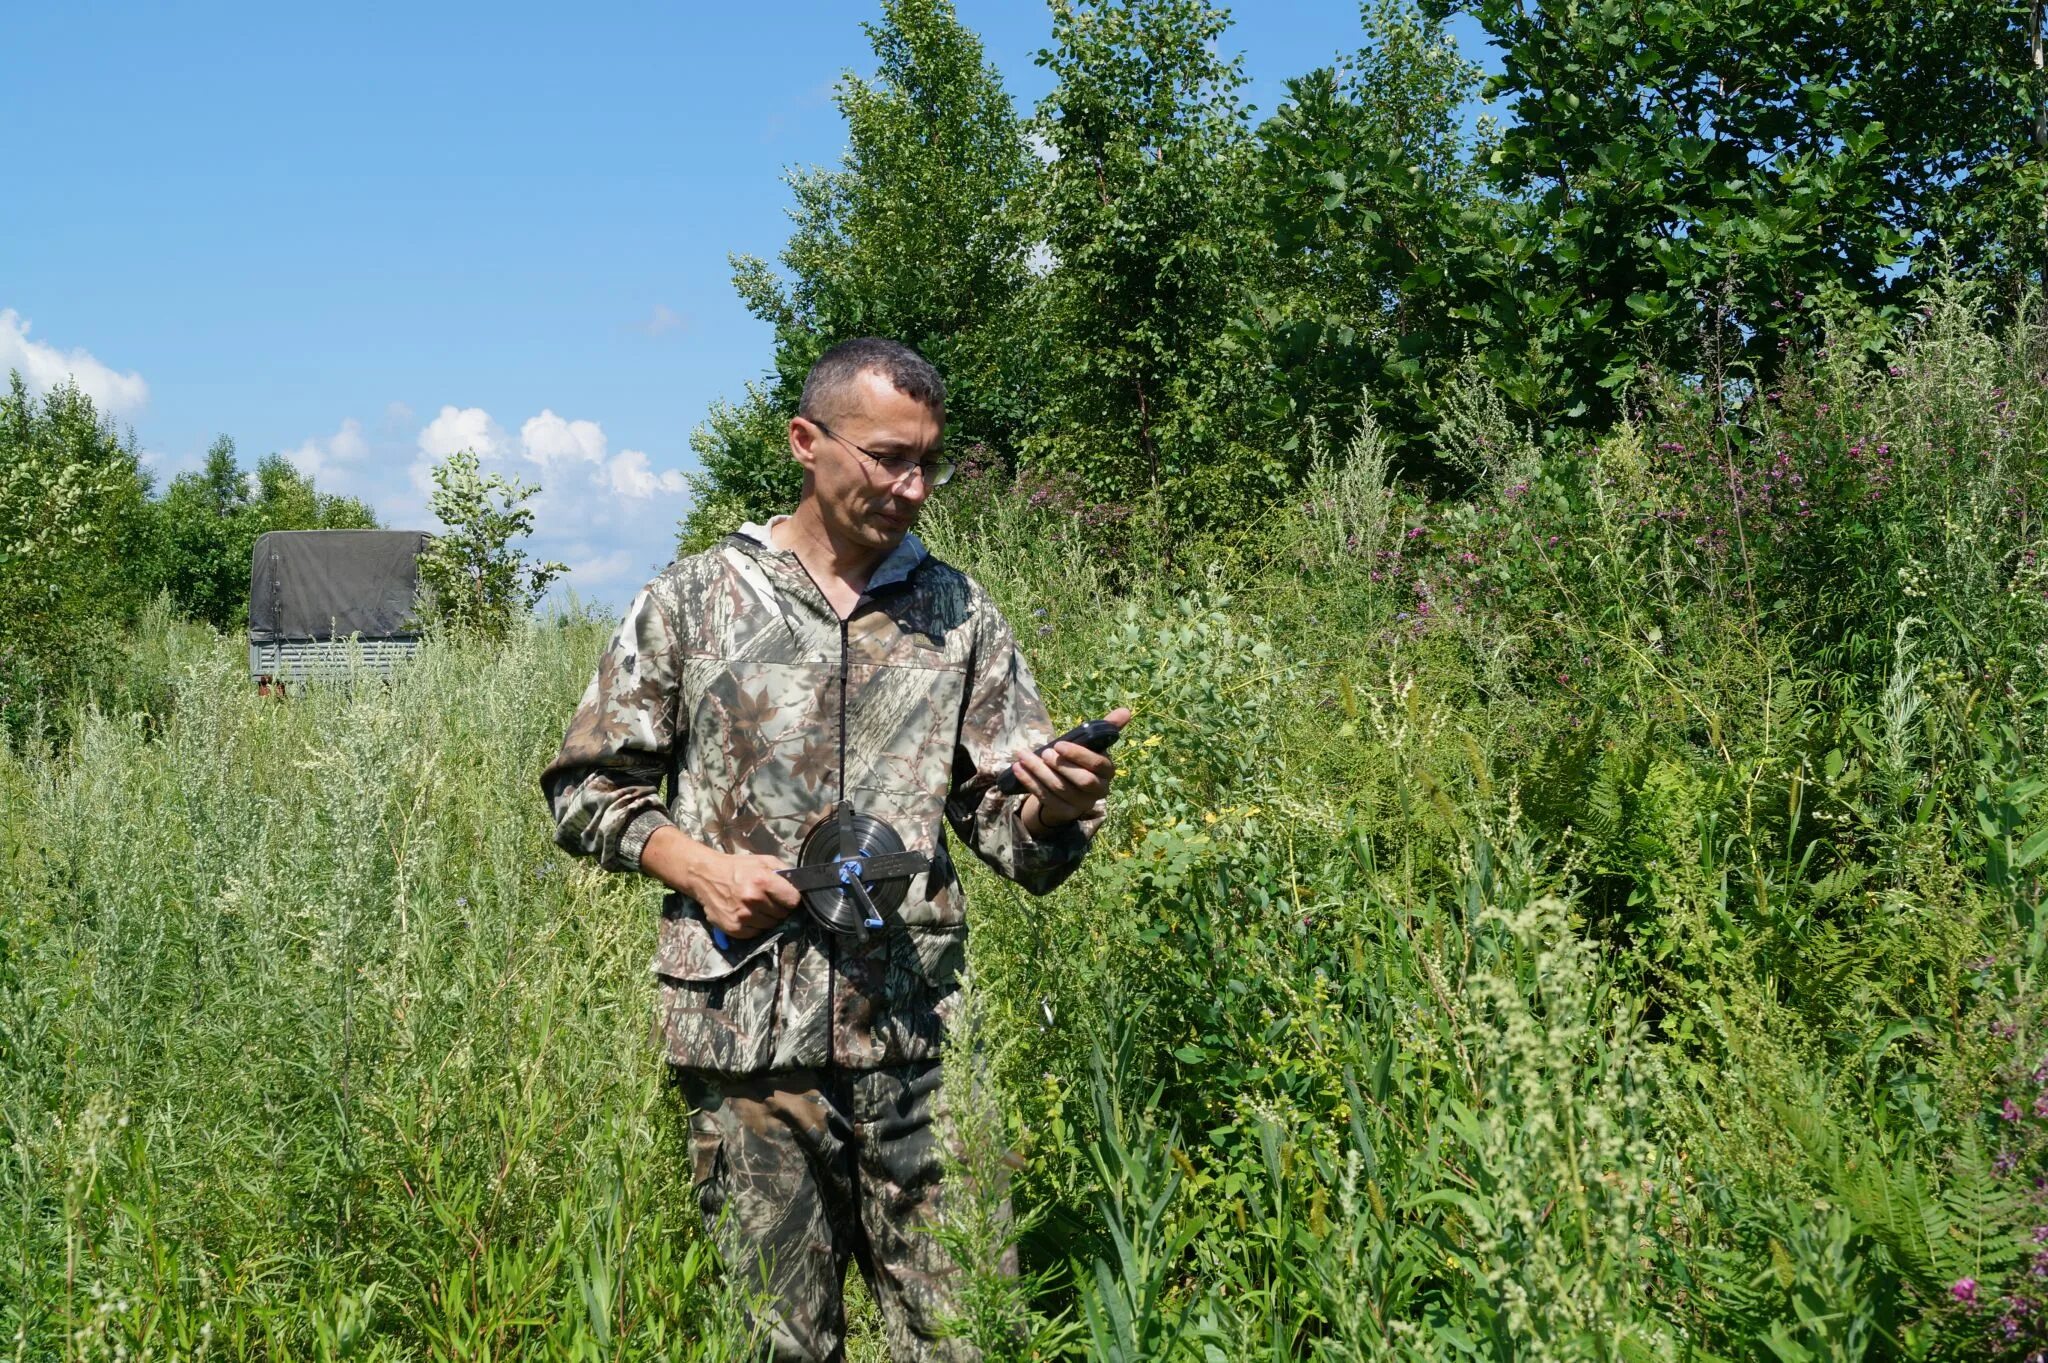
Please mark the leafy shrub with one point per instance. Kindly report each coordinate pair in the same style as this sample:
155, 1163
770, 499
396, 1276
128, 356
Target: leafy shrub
471, 578
71, 510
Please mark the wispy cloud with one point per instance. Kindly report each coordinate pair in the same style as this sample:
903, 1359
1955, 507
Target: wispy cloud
660, 322
326, 461
44, 367
793, 110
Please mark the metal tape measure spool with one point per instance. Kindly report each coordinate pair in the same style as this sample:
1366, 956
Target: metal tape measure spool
837, 907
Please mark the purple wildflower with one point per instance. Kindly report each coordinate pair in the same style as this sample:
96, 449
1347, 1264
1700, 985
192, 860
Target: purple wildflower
1965, 1291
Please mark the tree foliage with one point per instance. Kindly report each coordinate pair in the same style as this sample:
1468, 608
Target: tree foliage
1698, 184
922, 234
208, 522
1172, 305
472, 579
1154, 244
1373, 201
72, 510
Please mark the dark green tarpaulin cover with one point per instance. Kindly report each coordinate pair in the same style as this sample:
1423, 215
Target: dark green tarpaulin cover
329, 584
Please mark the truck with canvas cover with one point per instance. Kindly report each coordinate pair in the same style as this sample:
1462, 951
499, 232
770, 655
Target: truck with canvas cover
319, 599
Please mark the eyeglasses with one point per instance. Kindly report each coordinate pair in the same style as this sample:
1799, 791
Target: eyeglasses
937, 472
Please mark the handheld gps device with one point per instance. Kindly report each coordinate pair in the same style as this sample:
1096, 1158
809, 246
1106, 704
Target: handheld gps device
1097, 735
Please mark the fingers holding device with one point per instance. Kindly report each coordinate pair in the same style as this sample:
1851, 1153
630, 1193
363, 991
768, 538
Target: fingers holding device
1070, 775
1096, 735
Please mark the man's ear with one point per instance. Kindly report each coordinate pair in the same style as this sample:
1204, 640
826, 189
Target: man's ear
803, 443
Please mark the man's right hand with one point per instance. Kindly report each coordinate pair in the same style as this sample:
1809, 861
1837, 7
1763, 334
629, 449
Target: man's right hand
740, 892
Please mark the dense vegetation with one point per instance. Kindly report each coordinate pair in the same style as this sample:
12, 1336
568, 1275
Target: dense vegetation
1143, 289
85, 546
1575, 889
1595, 917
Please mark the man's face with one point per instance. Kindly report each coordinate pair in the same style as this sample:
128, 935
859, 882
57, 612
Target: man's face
858, 501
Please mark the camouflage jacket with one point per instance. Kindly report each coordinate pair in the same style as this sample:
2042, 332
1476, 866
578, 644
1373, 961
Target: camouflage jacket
726, 676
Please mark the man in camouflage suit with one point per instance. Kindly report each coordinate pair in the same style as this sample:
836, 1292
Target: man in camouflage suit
822, 656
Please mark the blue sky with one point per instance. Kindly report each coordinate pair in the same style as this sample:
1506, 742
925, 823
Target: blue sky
363, 234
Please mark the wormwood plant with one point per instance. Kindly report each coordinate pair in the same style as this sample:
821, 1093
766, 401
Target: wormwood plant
1346, 499
339, 1060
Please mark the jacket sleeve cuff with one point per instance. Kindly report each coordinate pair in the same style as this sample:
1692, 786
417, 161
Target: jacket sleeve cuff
634, 840
1043, 863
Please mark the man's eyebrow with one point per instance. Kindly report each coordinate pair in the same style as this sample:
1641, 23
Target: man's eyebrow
906, 447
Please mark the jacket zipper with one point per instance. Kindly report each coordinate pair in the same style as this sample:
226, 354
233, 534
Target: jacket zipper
832, 938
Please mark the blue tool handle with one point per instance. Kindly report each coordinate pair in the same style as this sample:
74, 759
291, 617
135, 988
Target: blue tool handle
718, 936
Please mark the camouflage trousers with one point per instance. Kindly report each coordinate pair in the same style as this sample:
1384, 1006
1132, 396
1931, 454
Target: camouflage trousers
796, 1171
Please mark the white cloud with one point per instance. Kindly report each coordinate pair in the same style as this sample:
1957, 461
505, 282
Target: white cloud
629, 474
44, 367
606, 515
598, 570
547, 439
322, 460
456, 428
397, 416
462, 428
1041, 147
1041, 260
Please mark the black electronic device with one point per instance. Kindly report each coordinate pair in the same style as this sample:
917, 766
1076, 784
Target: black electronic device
1096, 735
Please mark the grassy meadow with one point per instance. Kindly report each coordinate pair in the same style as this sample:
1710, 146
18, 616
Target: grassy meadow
1596, 916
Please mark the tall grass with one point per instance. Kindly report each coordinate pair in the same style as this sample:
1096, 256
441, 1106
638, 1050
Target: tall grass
314, 1047
1594, 917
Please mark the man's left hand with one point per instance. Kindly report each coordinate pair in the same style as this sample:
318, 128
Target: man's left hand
1064, 781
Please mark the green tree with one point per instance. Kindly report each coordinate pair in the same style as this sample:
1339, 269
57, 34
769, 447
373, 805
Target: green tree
1370, 196
1149, 222
922, 234
472, 579
1698, 184
72, 511
208, 521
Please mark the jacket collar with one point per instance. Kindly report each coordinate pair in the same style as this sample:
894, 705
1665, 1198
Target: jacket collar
901, 562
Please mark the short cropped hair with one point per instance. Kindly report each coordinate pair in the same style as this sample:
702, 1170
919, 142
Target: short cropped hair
910, 373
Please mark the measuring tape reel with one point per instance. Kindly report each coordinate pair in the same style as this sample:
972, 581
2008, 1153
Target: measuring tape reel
853, 869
